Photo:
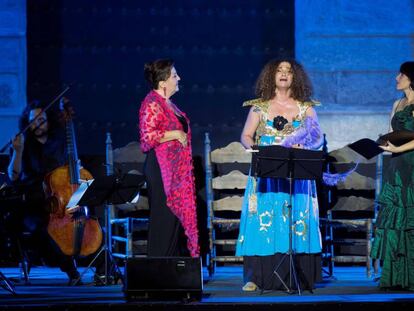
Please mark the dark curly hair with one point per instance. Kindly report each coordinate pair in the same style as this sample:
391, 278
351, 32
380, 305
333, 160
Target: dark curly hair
53, 117
301, 88
158, 70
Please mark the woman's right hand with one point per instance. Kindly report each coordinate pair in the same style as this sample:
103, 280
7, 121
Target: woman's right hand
18, 143
181, 137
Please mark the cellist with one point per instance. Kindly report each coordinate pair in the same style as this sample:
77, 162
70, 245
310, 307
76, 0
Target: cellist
33, 156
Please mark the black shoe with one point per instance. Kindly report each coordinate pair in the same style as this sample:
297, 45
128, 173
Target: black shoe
100, 280
74, 279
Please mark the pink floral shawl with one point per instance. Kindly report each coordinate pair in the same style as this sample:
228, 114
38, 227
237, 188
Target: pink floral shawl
176, 163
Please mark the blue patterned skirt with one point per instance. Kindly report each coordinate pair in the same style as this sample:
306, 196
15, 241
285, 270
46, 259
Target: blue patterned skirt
264, 223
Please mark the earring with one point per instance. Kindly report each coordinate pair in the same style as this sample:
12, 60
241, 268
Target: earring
164, 89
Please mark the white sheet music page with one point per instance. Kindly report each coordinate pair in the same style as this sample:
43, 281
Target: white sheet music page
77, 195
135, 199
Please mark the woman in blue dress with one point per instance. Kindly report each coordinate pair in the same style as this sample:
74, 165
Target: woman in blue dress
282, 115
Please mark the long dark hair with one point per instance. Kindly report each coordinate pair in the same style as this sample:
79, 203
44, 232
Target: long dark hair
301, 87
158, 70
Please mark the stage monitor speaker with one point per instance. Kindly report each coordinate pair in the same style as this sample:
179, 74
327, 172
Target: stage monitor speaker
163, 278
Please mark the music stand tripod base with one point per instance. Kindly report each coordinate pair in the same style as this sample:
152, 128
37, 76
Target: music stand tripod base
294, 286
6, 284
106, 191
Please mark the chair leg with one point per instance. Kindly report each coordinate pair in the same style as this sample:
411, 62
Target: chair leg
369, 238
25, 267
129, 244
329, 247
24, 262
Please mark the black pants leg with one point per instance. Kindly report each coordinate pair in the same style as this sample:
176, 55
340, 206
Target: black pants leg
166, 235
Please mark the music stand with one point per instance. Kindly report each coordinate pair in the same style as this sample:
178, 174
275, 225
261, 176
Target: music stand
105, 191
289, 163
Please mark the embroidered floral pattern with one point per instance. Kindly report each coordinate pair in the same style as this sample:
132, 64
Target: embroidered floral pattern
265, 220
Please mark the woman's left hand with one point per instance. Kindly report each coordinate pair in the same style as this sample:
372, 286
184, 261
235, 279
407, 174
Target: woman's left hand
182, 138
390, 147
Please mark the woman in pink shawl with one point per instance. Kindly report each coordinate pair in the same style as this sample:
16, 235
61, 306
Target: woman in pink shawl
166, 139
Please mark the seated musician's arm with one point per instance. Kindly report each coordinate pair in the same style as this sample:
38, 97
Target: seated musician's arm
15, 166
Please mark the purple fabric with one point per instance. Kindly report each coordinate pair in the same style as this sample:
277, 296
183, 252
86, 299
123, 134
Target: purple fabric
331, 179
309, 135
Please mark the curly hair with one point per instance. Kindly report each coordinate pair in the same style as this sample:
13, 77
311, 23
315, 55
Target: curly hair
52, 116
301, 88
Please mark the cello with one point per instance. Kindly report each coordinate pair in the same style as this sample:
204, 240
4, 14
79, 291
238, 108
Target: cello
75, 234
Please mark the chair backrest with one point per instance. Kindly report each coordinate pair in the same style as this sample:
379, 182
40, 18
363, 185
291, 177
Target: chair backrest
130, 220
358, 192
226, 169
130, 160
352, 215
226, 178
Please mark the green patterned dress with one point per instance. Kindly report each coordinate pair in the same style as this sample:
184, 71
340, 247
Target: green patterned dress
394, 232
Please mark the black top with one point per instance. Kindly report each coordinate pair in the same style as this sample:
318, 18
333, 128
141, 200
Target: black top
40, 159
183, 122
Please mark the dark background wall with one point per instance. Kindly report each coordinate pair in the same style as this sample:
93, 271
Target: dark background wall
99, 47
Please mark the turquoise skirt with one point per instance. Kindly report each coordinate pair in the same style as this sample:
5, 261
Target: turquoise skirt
264, 223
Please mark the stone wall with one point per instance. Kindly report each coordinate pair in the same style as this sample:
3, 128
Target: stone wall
12, 66
352, 51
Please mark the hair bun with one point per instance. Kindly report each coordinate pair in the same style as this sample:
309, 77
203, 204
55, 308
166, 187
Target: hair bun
158, 70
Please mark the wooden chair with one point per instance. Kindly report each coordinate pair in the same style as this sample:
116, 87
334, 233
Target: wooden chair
349, 223
226, 177
129, 221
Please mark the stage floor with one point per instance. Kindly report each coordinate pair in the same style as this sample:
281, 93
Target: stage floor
348, 289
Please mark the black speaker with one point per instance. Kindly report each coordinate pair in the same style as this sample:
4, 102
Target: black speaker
163, 278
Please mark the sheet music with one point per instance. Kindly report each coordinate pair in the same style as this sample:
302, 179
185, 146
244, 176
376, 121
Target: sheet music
77, 195
4, 185
135, 200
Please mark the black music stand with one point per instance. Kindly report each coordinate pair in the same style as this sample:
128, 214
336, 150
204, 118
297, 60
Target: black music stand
289, 163
105, 191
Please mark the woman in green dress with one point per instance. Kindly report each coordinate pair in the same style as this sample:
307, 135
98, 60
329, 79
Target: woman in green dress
394, 232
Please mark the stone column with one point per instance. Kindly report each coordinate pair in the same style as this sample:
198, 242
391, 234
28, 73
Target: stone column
352, 51
12, 66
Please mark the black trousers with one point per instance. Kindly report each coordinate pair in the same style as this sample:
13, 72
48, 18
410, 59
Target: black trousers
166, 235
